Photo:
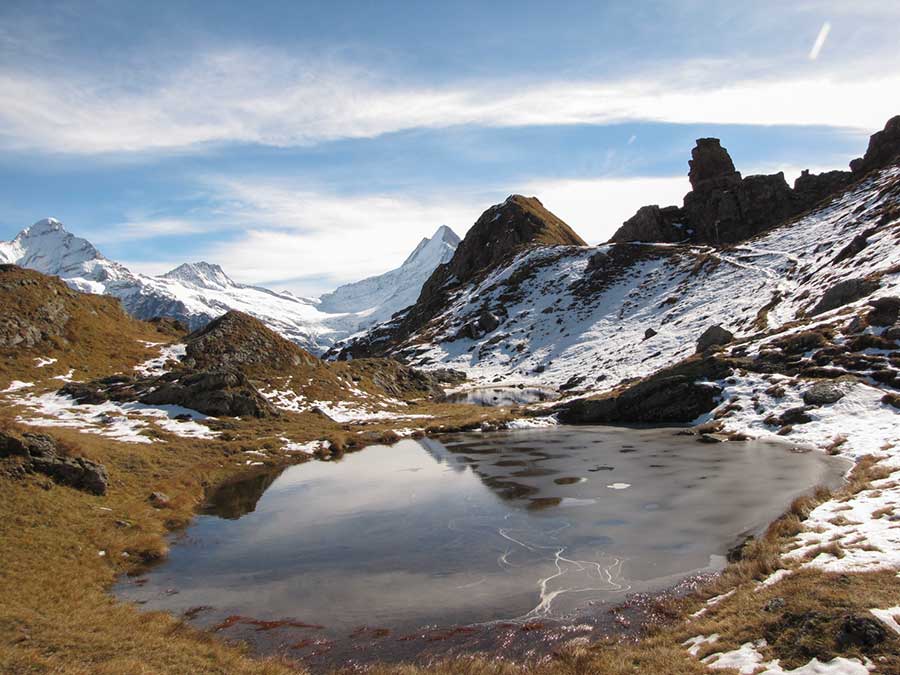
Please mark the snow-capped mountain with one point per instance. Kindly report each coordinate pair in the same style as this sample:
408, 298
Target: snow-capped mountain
198, 292
381, 296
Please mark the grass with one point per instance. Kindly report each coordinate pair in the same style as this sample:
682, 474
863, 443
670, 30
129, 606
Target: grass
57, 616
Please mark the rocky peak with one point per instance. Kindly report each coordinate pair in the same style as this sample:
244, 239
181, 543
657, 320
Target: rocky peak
506, 228
884, 148
238, 340
710, 165
202, 274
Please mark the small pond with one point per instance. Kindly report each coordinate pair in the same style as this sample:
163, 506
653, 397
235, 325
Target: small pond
506, 541
503, 396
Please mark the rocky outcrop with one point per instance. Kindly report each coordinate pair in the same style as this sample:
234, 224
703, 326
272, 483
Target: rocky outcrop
679, 394
42, 454
238, 340
810, 188
724, 208
216, 392
884, 148
20, 327
843, 293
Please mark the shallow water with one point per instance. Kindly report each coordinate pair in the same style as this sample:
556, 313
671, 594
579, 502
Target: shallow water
503, 396
374, 556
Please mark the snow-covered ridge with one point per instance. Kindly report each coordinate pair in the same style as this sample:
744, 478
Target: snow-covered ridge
198, 292
596, 316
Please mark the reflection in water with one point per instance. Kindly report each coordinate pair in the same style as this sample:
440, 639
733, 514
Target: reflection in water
510, 527
502, 396
238, 497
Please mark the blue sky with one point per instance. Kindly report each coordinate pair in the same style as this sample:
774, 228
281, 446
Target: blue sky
303, 144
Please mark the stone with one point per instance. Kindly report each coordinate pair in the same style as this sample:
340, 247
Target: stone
159, 500
793, 416
649, 333
484, 324
843, 293
822, 393
884, 311
712, 337
810, 189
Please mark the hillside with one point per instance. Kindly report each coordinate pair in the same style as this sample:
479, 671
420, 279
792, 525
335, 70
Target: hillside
591, 318
196, 293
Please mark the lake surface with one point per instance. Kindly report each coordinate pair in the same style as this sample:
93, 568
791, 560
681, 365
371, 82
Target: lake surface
511, 541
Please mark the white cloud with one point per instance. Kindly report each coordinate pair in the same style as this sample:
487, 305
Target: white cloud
597, 207
319, 240
259, 97
136, 230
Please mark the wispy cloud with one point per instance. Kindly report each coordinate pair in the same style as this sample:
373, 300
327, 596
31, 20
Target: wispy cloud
310, 240
820, 41
257, 97
136, 230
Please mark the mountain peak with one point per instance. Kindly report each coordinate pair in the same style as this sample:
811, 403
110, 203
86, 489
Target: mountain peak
443, 238
43, 226
202, 274
518, 222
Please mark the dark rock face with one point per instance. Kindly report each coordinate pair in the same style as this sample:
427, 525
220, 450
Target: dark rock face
884, 147
43, 455
652, 223
670, 396
810, 189
712, 337
724, 208
711, 166
213, 392
843, 293
822, 393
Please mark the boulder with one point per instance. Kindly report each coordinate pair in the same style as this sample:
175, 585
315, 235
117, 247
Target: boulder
822, 393
712, 337
843, 293
884, 311
810, 189
484, 324
793, 416
649, 333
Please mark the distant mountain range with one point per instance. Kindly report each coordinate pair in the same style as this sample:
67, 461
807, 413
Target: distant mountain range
198, 292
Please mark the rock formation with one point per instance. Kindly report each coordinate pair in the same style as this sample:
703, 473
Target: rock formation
724, 208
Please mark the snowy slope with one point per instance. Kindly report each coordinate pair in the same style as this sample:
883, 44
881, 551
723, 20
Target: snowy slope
381, 296
584, 312
198, 292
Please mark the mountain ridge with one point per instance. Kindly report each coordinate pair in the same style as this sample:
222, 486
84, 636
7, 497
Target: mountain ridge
199, 292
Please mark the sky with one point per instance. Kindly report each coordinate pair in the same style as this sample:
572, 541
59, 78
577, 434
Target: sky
302, 145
